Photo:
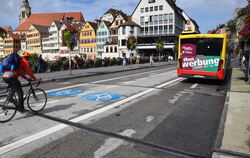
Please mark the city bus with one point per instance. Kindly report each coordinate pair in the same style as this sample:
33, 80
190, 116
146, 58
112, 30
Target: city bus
203, 56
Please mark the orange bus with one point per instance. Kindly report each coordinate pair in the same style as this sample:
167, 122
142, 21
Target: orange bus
203, 56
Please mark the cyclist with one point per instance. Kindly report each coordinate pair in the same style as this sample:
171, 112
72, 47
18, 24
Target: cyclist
15, 84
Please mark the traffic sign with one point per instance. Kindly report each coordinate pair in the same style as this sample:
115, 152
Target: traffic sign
101, 97
68, 92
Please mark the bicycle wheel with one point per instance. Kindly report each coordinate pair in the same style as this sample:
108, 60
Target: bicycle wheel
37, 100
7, 109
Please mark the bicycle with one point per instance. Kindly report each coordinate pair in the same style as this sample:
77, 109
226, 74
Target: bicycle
36, 101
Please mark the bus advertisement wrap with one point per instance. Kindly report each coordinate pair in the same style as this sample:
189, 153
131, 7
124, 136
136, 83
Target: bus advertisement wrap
192, 61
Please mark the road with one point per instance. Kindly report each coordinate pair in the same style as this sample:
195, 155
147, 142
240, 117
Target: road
154, 113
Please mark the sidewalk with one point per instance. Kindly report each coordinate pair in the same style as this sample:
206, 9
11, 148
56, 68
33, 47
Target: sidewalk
233, 139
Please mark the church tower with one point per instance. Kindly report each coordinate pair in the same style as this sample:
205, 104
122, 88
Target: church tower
25, 12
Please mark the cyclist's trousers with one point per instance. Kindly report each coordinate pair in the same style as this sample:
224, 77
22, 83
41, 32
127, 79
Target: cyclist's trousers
15, 86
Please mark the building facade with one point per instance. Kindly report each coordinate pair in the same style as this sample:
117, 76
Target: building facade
51, 43
88, 41
1, 47
126, 30
160, 20
102, 37
34, 38
190, 24
12, 43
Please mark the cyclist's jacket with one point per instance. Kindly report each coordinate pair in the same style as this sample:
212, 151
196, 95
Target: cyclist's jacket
24, 68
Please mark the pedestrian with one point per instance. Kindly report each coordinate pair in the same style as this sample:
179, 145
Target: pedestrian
40, 64
151, 59
138, 59
124, 63
76, 62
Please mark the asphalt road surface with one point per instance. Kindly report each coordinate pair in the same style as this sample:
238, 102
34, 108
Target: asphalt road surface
152, 112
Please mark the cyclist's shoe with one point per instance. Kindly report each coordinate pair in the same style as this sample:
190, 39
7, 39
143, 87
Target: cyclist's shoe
21, 109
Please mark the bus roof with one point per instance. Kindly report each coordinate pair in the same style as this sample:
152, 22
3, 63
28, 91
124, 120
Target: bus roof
204, 36
189, 32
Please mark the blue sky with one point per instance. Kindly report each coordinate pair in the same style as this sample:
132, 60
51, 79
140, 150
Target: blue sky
207, 13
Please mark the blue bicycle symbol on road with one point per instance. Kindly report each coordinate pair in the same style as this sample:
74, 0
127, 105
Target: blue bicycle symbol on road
101, 97
65, 92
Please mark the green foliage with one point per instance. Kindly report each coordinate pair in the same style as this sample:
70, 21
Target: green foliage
67, 36
159, 46
131, 43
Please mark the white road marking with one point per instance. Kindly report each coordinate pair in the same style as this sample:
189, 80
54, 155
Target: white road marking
150, 118
86, 92
128, 82
112, 144
194, 85
113, 86
34, 137
78, 85
144, 78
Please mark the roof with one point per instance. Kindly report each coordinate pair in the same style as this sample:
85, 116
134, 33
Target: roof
94, 25
129, 22
15, 36
45, 19
41, 29
7, 28
58, 24
116, 12
172, 5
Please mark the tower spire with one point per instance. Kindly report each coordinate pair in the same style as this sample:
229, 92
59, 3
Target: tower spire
25, 11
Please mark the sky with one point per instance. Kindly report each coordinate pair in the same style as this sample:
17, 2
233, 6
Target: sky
207, 13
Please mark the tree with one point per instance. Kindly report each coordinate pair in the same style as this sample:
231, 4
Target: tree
131, 43
159, 47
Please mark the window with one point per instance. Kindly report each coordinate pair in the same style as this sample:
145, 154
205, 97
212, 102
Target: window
165, 29
132, 30
151, 9
171, 29
161, 7
123, 42
107, 49
160, 29
151, 20
155, 19
165, 18
142, 10
115, 49
146, 30
156, 30
151, 30
142, 30
156, 8
171, 18
151, 1
142, 20
123, 30
111, 49
146, 9
160, 19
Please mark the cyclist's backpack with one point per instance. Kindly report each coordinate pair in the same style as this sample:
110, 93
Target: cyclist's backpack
11, 62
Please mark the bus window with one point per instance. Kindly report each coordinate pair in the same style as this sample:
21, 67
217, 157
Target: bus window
205, 46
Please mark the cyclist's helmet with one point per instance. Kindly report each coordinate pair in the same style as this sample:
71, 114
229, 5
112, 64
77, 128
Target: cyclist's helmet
26, 54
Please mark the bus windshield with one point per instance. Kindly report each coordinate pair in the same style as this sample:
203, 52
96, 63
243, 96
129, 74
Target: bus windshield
205, 46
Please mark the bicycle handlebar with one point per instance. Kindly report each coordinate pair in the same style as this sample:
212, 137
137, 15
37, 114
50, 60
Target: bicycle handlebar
30, 80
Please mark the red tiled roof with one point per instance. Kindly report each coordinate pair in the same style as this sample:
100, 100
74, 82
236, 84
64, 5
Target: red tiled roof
45, 19
7, 28
15, 36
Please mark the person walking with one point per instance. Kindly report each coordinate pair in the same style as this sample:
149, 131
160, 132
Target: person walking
151, 59
124, 63
40, 64
138, 59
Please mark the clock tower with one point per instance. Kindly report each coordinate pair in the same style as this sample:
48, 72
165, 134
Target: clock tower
25, 11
